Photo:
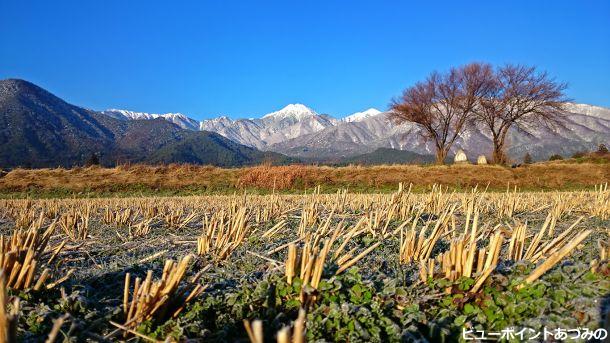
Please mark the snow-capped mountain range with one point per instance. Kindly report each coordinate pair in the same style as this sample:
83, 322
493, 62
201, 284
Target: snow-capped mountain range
292, 121
176, 118
297, 130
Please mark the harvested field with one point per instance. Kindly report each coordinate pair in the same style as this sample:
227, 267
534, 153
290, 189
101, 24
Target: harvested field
344, 266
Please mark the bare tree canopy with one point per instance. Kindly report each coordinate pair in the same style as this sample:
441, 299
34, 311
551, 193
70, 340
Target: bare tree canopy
520, 96
443, 105
447, 105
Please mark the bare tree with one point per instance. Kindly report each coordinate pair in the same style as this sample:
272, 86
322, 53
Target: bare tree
443, 104
521, 97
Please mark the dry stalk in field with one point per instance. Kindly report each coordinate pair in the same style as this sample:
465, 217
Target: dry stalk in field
119, 218
291, 262
604, 255
341, 200
535, 244
219, 237
345, 264
26, 218
538, 251
19, 258
8, 320
604, 250
309, 216
274, 229
415, 245
296, 334
288, 334
437, 200
269, 208
75, 223
600, 206
309, 263
254, 330
152, 299
556, 255
517, 242
507, 204
140, 229
463, 259
177, 219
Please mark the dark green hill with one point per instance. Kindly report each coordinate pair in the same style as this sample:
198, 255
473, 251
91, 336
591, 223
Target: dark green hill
211, 148
38, 129
389, 156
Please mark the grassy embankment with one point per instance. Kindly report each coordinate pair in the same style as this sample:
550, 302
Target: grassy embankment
195, 180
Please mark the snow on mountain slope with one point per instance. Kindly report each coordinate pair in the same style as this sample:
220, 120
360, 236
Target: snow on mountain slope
128, 115
290, 122
360, 116
293, 111
243, 131
589, 110
182, 121
176, 118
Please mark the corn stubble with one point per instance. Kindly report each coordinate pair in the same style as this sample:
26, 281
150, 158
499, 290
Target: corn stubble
294, 333
447, 235
8, 318
154, 298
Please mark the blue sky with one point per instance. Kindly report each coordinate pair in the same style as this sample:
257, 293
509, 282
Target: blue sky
247, 58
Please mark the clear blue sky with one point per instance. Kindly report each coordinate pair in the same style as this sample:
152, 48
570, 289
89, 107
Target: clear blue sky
205, 58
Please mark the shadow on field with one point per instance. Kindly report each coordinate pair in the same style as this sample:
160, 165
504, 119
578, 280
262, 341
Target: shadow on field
107, 287
604, 317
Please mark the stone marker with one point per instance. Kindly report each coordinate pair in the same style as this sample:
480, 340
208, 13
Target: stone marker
460, 157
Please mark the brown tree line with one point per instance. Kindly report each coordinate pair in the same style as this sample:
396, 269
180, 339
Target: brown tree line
446, 105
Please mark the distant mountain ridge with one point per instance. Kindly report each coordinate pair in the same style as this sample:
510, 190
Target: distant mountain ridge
177, 118
38, 129
584, 129
298, 131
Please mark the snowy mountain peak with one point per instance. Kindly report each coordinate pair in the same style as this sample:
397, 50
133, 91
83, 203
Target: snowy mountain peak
126, 114
296, 111
222, 118
217, 120
177, 118
590, 110
359, 116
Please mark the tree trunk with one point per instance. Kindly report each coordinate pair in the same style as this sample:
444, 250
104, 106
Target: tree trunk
499, 156
441, 154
